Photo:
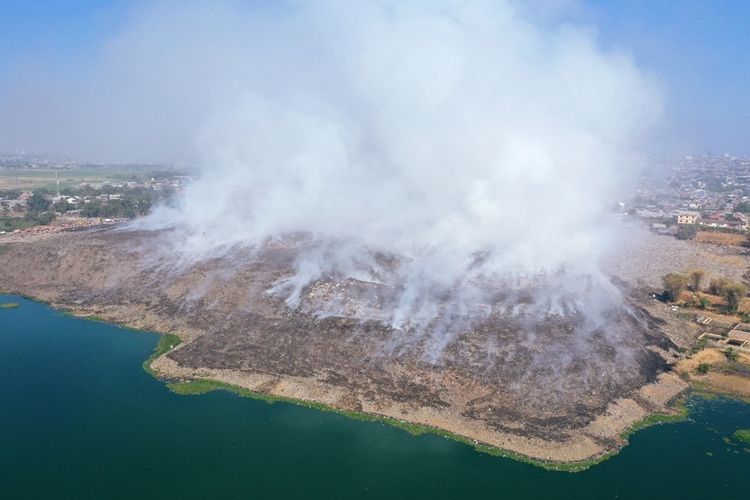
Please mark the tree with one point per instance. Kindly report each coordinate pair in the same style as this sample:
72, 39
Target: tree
62, 206
687, 231
696, 278
733, 293
91, 209
11, 194
37, 202
674, 285
717, 285
43, 218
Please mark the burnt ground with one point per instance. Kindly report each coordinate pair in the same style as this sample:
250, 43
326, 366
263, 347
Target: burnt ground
543, 378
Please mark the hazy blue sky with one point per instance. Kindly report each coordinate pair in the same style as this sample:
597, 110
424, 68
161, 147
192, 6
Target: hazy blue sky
698, 49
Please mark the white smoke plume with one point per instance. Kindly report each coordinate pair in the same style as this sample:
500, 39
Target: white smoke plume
432, 148
455, 136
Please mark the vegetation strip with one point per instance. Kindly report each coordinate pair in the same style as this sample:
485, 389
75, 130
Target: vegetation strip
743, 435
167, 342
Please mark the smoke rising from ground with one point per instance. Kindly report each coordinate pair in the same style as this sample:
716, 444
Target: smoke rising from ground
458, 139
436, 149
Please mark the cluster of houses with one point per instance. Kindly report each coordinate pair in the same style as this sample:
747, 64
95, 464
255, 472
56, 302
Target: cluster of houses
709, 191
736, 221
15, 204
20, 203
173, 183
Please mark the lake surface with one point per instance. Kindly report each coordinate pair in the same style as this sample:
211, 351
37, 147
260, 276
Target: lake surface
79, 418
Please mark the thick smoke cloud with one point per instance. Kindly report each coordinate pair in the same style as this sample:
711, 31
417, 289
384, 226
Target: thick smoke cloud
458, 138
436, 148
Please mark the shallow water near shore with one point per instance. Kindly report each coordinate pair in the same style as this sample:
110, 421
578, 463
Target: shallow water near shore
80, 418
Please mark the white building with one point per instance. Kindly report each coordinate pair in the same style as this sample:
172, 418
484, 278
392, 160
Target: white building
688, 217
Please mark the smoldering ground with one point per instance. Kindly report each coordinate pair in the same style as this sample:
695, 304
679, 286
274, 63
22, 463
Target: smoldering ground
435, 164
446, 163
515, 369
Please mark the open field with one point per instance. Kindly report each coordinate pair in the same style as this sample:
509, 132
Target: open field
721, 375
45, 178
717, 238
9, 224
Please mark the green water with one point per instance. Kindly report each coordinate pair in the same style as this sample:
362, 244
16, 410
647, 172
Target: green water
79, 418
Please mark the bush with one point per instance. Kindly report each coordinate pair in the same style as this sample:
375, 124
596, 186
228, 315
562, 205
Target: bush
698, 346
717, 285
696, 279
703, 368
39, 218
731, 354
46, 218
733, 293
674, 285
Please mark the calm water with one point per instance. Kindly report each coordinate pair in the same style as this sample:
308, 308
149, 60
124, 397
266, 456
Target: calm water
79, 418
